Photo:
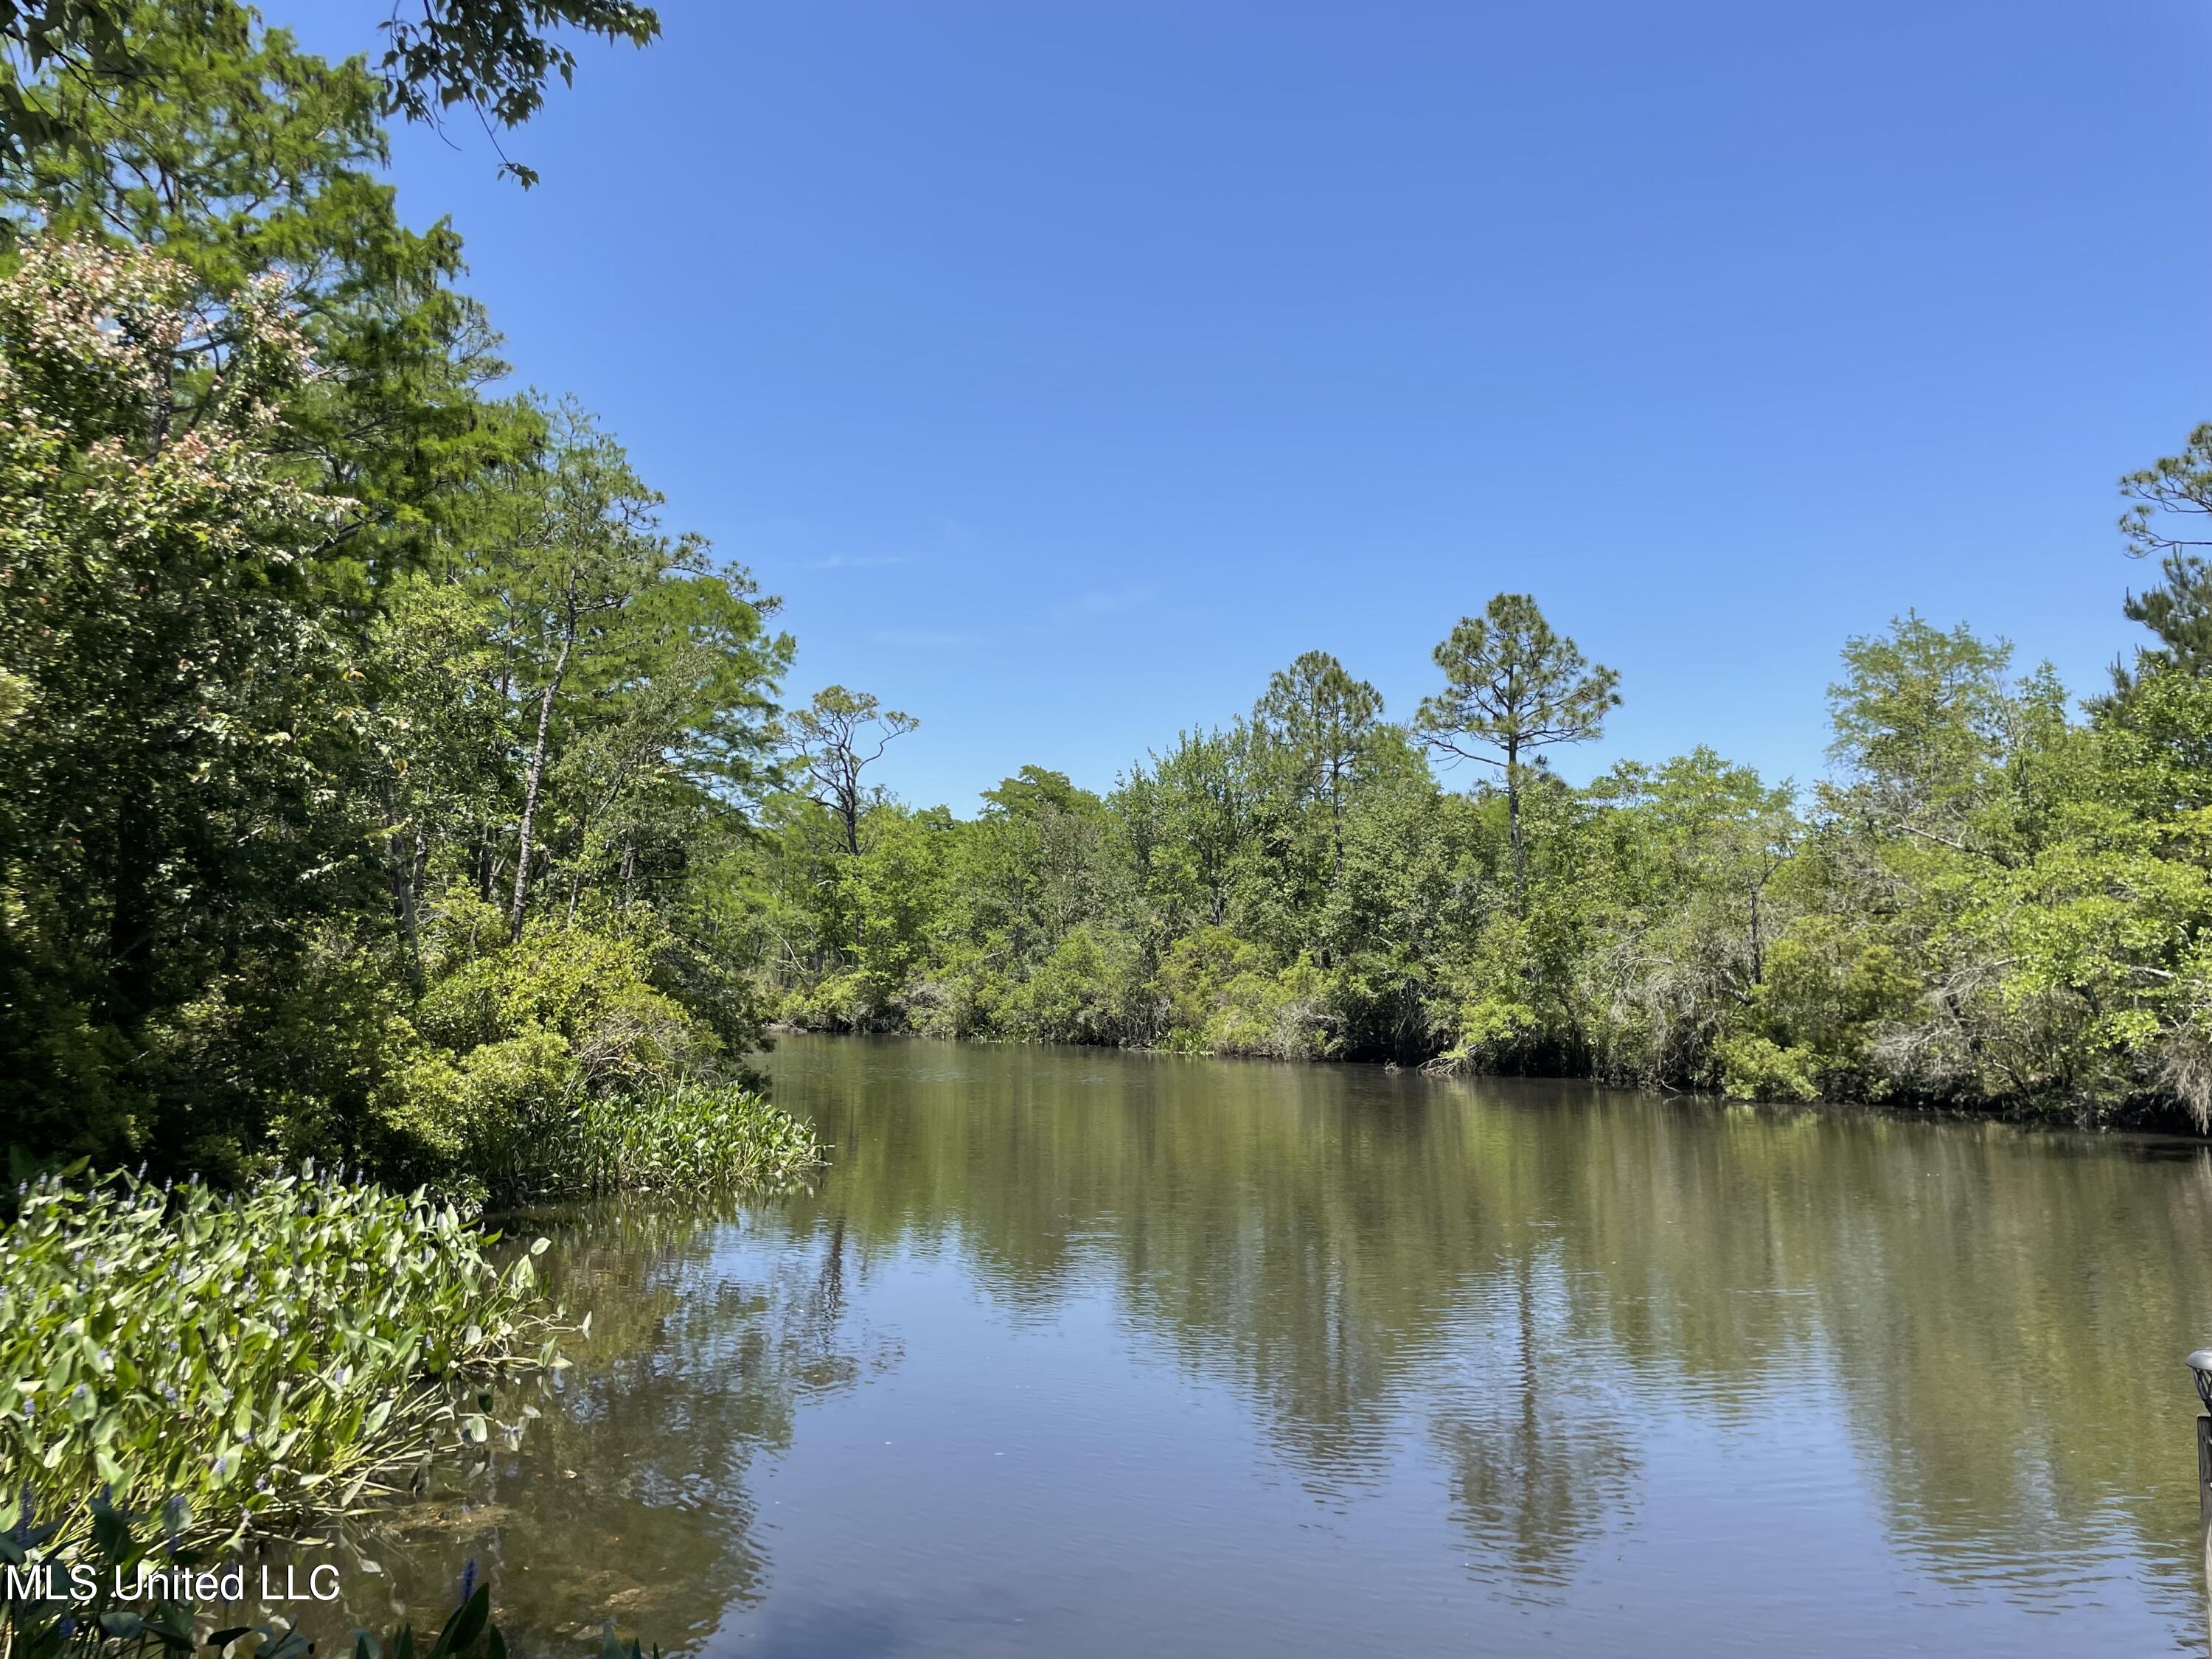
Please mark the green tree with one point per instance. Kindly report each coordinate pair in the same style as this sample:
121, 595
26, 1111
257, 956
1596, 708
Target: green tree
1200, 800
2168, 503
327, 686
1326, 721
62, 61
239, 154
1922, 721
175, 756
573, 547
1033, 867
833, 740
1513, 686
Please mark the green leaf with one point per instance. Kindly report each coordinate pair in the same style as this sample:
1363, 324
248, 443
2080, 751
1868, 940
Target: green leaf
466, 1623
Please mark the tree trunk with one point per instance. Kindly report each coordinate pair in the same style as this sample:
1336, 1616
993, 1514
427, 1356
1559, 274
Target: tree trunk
131, 922
403, 862
848, 807
535, 781
1336, 814
1513, 822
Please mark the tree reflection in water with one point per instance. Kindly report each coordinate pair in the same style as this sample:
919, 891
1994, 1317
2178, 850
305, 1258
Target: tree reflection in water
1992, 1314
1497, 1293
629, 1496
1538, 1462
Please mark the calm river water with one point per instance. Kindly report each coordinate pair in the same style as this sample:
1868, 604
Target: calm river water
1079, 1353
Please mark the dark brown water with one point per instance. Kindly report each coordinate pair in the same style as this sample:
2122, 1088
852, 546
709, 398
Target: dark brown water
1076, 1353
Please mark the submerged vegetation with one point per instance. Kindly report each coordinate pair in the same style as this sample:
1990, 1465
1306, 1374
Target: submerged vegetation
119, 1552
251, 1358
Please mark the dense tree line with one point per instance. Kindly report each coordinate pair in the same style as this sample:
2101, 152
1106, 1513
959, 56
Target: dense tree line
372, 757
1996, 901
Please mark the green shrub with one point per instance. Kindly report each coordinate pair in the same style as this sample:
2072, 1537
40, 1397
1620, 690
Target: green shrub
958, 999
1085, 991
591, 990
1489, 1027
510, 1124
1288, 1015
1827, 994
255, 1356
1225, 996
1195, 975
553, 1067
841, 1002
1757, 1068
455, 1121
691, 1138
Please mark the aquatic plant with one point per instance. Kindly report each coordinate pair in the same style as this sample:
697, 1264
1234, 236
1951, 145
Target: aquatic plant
686, 1137
254, 1356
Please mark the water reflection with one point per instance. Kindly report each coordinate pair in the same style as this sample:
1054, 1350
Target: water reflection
627, 1495
1659, 1375
1535, 1270
1541, 1459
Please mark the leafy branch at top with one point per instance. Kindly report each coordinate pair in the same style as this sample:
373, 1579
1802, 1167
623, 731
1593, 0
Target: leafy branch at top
494, 57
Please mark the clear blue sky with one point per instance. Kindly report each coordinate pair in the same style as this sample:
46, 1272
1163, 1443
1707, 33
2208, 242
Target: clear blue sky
1066, 368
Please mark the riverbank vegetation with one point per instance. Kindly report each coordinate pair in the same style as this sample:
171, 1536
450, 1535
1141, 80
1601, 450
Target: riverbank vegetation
1996, 901
240, 1361
372, 758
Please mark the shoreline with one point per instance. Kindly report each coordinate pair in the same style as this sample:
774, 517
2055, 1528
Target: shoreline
1902, 1111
